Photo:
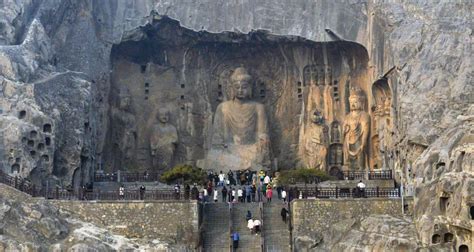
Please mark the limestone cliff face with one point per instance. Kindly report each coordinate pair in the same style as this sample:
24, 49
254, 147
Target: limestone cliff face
55, 63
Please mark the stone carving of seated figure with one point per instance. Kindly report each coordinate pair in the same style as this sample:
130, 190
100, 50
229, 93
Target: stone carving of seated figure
240, 137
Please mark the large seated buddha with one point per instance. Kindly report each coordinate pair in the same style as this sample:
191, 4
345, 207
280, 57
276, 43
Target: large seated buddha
240, 137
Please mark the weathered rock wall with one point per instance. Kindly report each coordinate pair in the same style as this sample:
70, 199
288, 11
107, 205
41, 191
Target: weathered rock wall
360, 224
309, 216
176, 222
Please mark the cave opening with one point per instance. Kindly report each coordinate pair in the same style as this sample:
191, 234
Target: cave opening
22, 114
15, 168
471, 211
435, 239
188, 73
448, 237
463, 248
47, 128
443, 204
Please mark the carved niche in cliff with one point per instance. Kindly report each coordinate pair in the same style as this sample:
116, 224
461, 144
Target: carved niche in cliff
165, 65
381, 144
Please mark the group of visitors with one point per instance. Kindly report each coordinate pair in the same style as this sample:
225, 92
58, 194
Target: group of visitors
250, 187
253, 224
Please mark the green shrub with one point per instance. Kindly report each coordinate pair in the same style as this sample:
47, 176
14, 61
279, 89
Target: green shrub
184, 173
302, 175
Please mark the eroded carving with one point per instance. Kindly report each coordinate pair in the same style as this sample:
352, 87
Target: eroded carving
163, 141
124, 131
313, 143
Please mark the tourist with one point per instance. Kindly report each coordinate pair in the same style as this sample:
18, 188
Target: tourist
237, 174
195, 192
266, 180
230, 176
233, 195
209, 188
121, 192
283, 195
256, 225
250, 225
284, 214
205, 194
215, 195
248, 216
235, 240
269, 193
244, 194
177, 191
248, 192
142, 192
210, 176
254, 178
240, 194
187, 190
221, 178
216, 180
229, 194
361, 189
224, 194
259, 193
264, 190
254, 191
261, 174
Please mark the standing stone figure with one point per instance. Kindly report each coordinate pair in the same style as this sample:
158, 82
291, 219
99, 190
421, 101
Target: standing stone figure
163, 141
356, 130
313, 144
240, 137
124, 131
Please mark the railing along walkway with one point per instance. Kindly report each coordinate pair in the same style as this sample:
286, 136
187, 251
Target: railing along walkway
63, 194
372, 192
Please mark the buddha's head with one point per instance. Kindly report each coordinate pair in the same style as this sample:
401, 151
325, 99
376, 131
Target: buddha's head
356, 99
316, 117
125, 99
163, 115
241, 84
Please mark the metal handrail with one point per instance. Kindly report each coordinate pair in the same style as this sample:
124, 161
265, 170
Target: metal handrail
345, 192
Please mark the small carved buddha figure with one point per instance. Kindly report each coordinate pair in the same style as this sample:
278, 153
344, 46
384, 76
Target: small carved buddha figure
356, 130
240, 126
163, 141
315, 142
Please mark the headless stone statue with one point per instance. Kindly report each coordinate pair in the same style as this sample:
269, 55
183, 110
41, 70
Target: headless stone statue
356, 130
313, 144
163, 141
240, 133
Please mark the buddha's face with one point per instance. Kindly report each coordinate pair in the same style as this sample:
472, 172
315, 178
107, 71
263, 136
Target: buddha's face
242, 89
355, 103
316, 117
163, 116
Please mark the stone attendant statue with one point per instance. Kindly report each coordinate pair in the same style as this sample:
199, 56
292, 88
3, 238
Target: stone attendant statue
163, 141
240, 137
313, 144
124, 131
356, 131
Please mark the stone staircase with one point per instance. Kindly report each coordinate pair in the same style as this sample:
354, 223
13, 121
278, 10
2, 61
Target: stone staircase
248, 242
216, 221
275, 231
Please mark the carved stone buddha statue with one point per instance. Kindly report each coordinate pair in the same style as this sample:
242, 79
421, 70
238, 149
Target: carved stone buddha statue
163, 141
356, 131
313, 143
240, 137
